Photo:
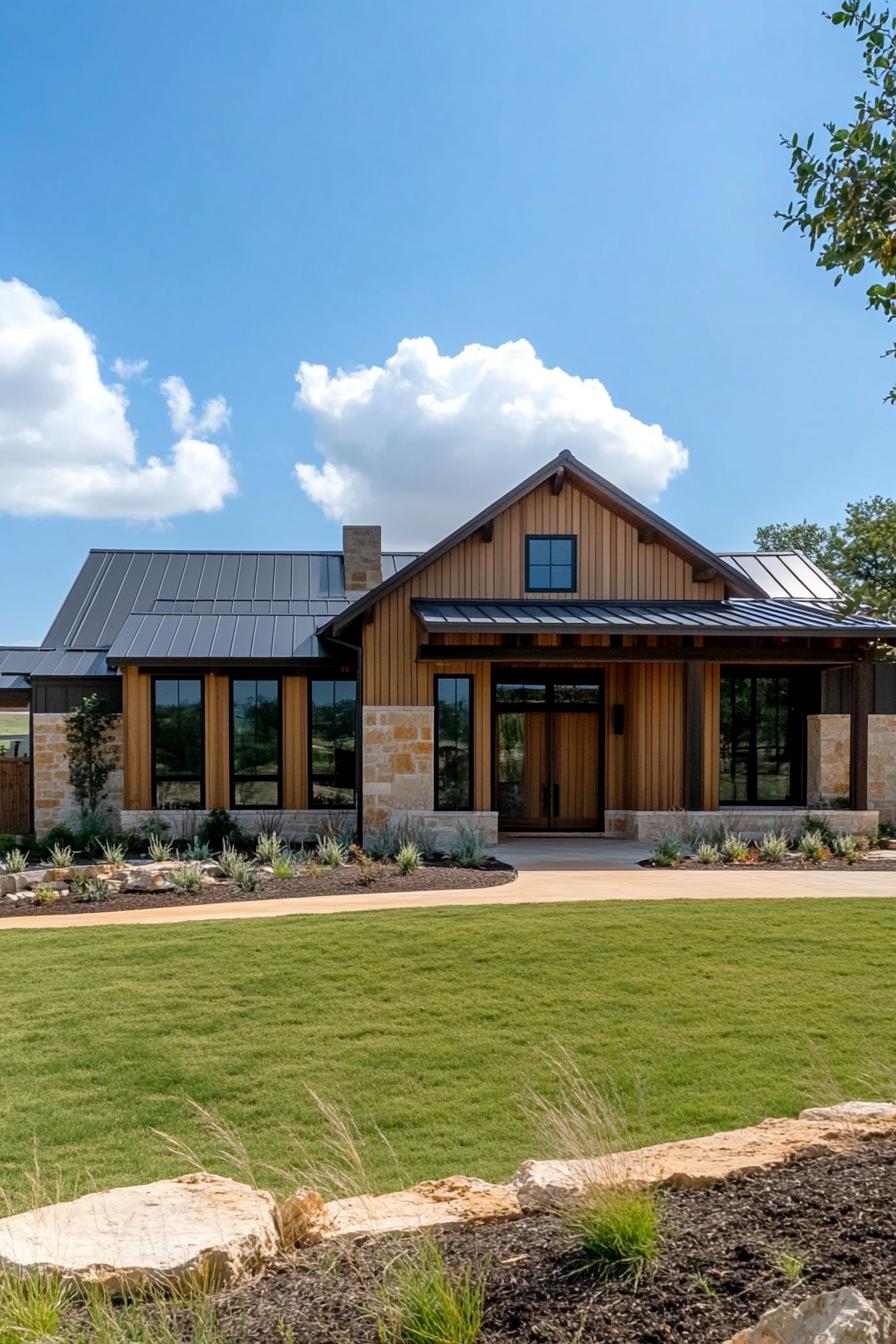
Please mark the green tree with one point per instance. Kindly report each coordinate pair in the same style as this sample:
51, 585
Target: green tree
859, 554
846, 197
91, 754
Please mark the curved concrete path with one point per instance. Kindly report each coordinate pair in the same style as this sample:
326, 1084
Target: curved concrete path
551, 871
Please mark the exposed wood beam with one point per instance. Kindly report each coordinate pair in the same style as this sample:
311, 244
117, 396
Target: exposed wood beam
704, 575
557, 480
487, 530
860, 707
646, 535
499, 653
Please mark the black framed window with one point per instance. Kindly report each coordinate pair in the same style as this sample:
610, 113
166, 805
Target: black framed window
255, 742
761, 722
454, 743
551, 565
178, 738
331, 716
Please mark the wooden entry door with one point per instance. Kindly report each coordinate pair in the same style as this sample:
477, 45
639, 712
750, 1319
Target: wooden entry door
548, 751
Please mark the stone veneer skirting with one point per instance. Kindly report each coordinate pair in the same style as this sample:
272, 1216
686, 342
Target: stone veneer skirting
828, 760
298, 825
54, 802
651, 827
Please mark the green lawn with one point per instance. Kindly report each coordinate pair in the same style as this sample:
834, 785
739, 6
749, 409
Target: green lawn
12, 721
429, 1024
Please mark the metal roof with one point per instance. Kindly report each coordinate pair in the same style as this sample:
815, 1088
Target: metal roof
218, 637
784, 574
744, 615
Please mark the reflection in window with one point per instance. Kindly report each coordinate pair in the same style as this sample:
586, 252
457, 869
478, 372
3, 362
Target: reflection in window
178, 754
453, 745
255, 742
760, 744
332, 719
520, 693
550, 564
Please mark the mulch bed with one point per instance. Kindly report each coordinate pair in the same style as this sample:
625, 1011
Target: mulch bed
344, 881
719, 1269
794, 865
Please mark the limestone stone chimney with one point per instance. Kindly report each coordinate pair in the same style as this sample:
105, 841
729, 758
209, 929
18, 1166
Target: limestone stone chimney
362, 550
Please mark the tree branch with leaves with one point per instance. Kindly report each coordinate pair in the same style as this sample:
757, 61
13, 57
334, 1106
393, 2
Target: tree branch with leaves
846, 197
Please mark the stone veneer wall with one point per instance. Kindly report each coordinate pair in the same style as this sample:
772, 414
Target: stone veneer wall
54, 802
651, 827
882, 765
398, 760
827, 757
304, 824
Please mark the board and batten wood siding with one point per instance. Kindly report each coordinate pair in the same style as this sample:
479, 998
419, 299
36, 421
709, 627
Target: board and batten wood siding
137, 729
645, 765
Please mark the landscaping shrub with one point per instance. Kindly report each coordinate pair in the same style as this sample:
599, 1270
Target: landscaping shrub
813, 848
56, 835
46, 896
382, 842
667, 854
186, 879
774, 847
91, 755
331, 851
811, 825
31, 1307
284, 865
422, 1301
231, 861
16, 861
616, 1231
112, 851
845, 847
61, 856
218, 827
159, 850
468, 847
366, 870
268, 847
198, 851
408, 858
734, 848
339, 828
707, 853
94, 829
248, 878
90, 889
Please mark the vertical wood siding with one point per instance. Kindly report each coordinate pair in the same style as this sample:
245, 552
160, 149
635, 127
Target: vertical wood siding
217, 741
295, 741
136, 730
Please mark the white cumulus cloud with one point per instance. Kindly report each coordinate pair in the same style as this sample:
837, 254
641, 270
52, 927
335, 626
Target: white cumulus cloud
214, 416
425, 441
125, 369
66, 445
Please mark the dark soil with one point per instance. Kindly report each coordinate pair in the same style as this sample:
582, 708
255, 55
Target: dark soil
797, 864
435, 876
719, 1269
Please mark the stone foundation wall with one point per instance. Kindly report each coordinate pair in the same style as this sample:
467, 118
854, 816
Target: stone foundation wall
882, 765
651, 827
827, 757
54, 802
296, 825
445, 824
398, 761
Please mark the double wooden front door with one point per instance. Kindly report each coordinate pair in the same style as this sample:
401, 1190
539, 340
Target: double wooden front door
548, 731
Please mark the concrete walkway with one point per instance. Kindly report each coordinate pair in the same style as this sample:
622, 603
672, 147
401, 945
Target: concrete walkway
551, 871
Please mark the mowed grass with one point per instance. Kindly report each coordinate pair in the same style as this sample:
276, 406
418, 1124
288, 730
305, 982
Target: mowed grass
429, 1025
12, 722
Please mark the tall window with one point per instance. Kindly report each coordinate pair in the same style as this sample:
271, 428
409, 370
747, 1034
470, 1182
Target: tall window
761, 726
551, 565
178, 743
454, 743
255, 742
332, 719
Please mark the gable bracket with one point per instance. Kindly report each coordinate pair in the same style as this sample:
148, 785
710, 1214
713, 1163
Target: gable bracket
706, 574
487, 530
557, 480
646, 535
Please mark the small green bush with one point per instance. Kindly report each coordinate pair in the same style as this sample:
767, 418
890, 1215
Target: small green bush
16, 861
813, 848
707, 853
667, 854
268, 847
46, 896
159, 850
231, 861
382, 842
56, 835
616, 1232
422, 1301
331, 851
31, 1306
249, 878
94, 829
186, 879
734, 848
218, 827
88, 890
408, 858
366, 868
845, 847
112, 851
197, 851
774, 847
813, 826
284, 866
467, 849
61, 856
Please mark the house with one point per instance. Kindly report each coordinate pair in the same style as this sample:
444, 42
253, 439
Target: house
565, 661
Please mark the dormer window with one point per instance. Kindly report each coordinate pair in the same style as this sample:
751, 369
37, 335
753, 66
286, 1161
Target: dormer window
551, 565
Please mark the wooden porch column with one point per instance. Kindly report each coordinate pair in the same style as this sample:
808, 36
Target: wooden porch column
860, 708
694, 690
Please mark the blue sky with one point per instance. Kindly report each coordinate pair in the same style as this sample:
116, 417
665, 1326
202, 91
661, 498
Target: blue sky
224, 190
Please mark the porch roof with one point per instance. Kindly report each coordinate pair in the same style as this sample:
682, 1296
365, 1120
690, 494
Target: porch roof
743, 615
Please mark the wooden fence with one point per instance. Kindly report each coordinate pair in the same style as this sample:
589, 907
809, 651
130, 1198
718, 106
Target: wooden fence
15, 795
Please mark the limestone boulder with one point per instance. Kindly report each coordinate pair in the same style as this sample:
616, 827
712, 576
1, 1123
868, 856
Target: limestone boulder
691, 1163
849, 1112
444, 1203
303, 1218
143, 879
198, 1228
842, 1316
